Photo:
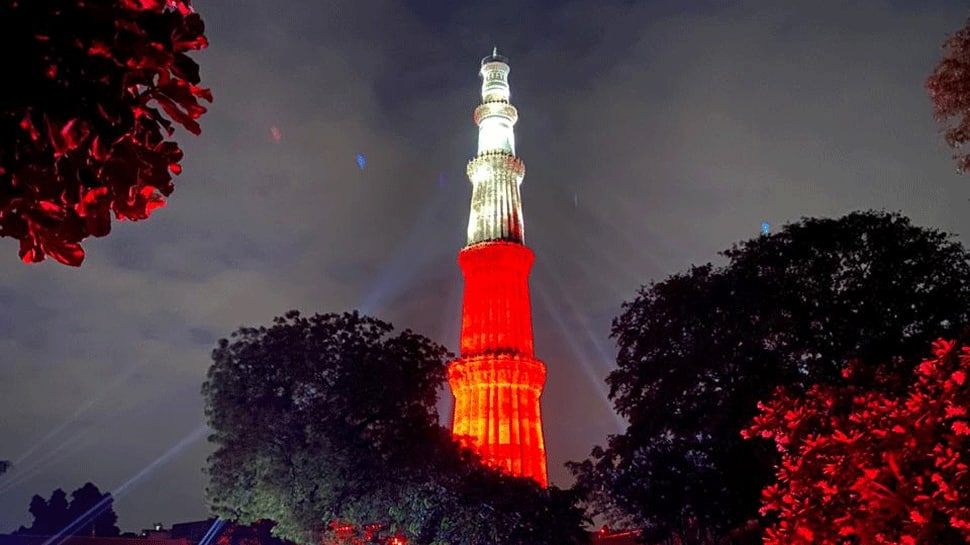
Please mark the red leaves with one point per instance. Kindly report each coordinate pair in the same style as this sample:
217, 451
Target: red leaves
879, 470
805, 534
26, 124
93, 209
179, 100
959, 427
257, 533
79, 137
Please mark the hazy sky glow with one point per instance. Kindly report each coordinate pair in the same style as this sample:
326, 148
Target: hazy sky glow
653, 136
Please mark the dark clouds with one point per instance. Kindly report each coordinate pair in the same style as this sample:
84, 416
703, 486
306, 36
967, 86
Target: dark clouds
653, 137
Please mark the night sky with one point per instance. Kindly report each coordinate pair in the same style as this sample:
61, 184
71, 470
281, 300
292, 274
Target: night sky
653, 137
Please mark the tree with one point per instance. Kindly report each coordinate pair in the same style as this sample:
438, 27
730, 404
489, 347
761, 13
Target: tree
327, 425
698, 350
89, 512
4, 466
949, 88
868, 468
84, 129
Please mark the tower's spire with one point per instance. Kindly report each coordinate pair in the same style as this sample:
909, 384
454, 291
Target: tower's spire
495, 173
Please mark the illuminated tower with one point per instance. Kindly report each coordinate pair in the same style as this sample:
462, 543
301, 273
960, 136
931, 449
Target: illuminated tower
497, 380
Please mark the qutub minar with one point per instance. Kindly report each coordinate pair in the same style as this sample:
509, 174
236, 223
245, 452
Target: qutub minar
497, 381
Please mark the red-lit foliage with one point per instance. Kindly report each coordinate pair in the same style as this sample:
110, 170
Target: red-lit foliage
257, 533
93, 89
865, 468
497, 381
343, 533
949, 88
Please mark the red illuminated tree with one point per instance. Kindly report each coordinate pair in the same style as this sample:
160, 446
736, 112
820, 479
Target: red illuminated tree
949, 88
699, 350
257, 533
93, 91
866, 468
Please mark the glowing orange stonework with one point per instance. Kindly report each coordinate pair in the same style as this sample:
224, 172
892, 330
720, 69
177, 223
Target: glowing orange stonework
497, 381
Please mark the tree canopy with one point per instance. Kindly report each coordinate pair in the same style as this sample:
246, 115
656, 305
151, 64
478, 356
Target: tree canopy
89, 512
700, 349
949, 88
95, 89
327, 425
870, 467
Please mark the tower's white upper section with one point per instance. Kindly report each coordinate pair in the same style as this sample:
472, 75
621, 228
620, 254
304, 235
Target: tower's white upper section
495, 116
495, 173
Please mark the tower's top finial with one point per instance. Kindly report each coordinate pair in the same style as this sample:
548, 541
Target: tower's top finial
495, 57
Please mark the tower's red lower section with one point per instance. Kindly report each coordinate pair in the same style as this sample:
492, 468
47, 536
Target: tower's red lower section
497, 381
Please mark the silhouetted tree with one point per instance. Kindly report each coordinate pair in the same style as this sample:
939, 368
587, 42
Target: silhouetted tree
327, 425
869, 468
700, 349
4, 466
949, 88
90, 512
93, 90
